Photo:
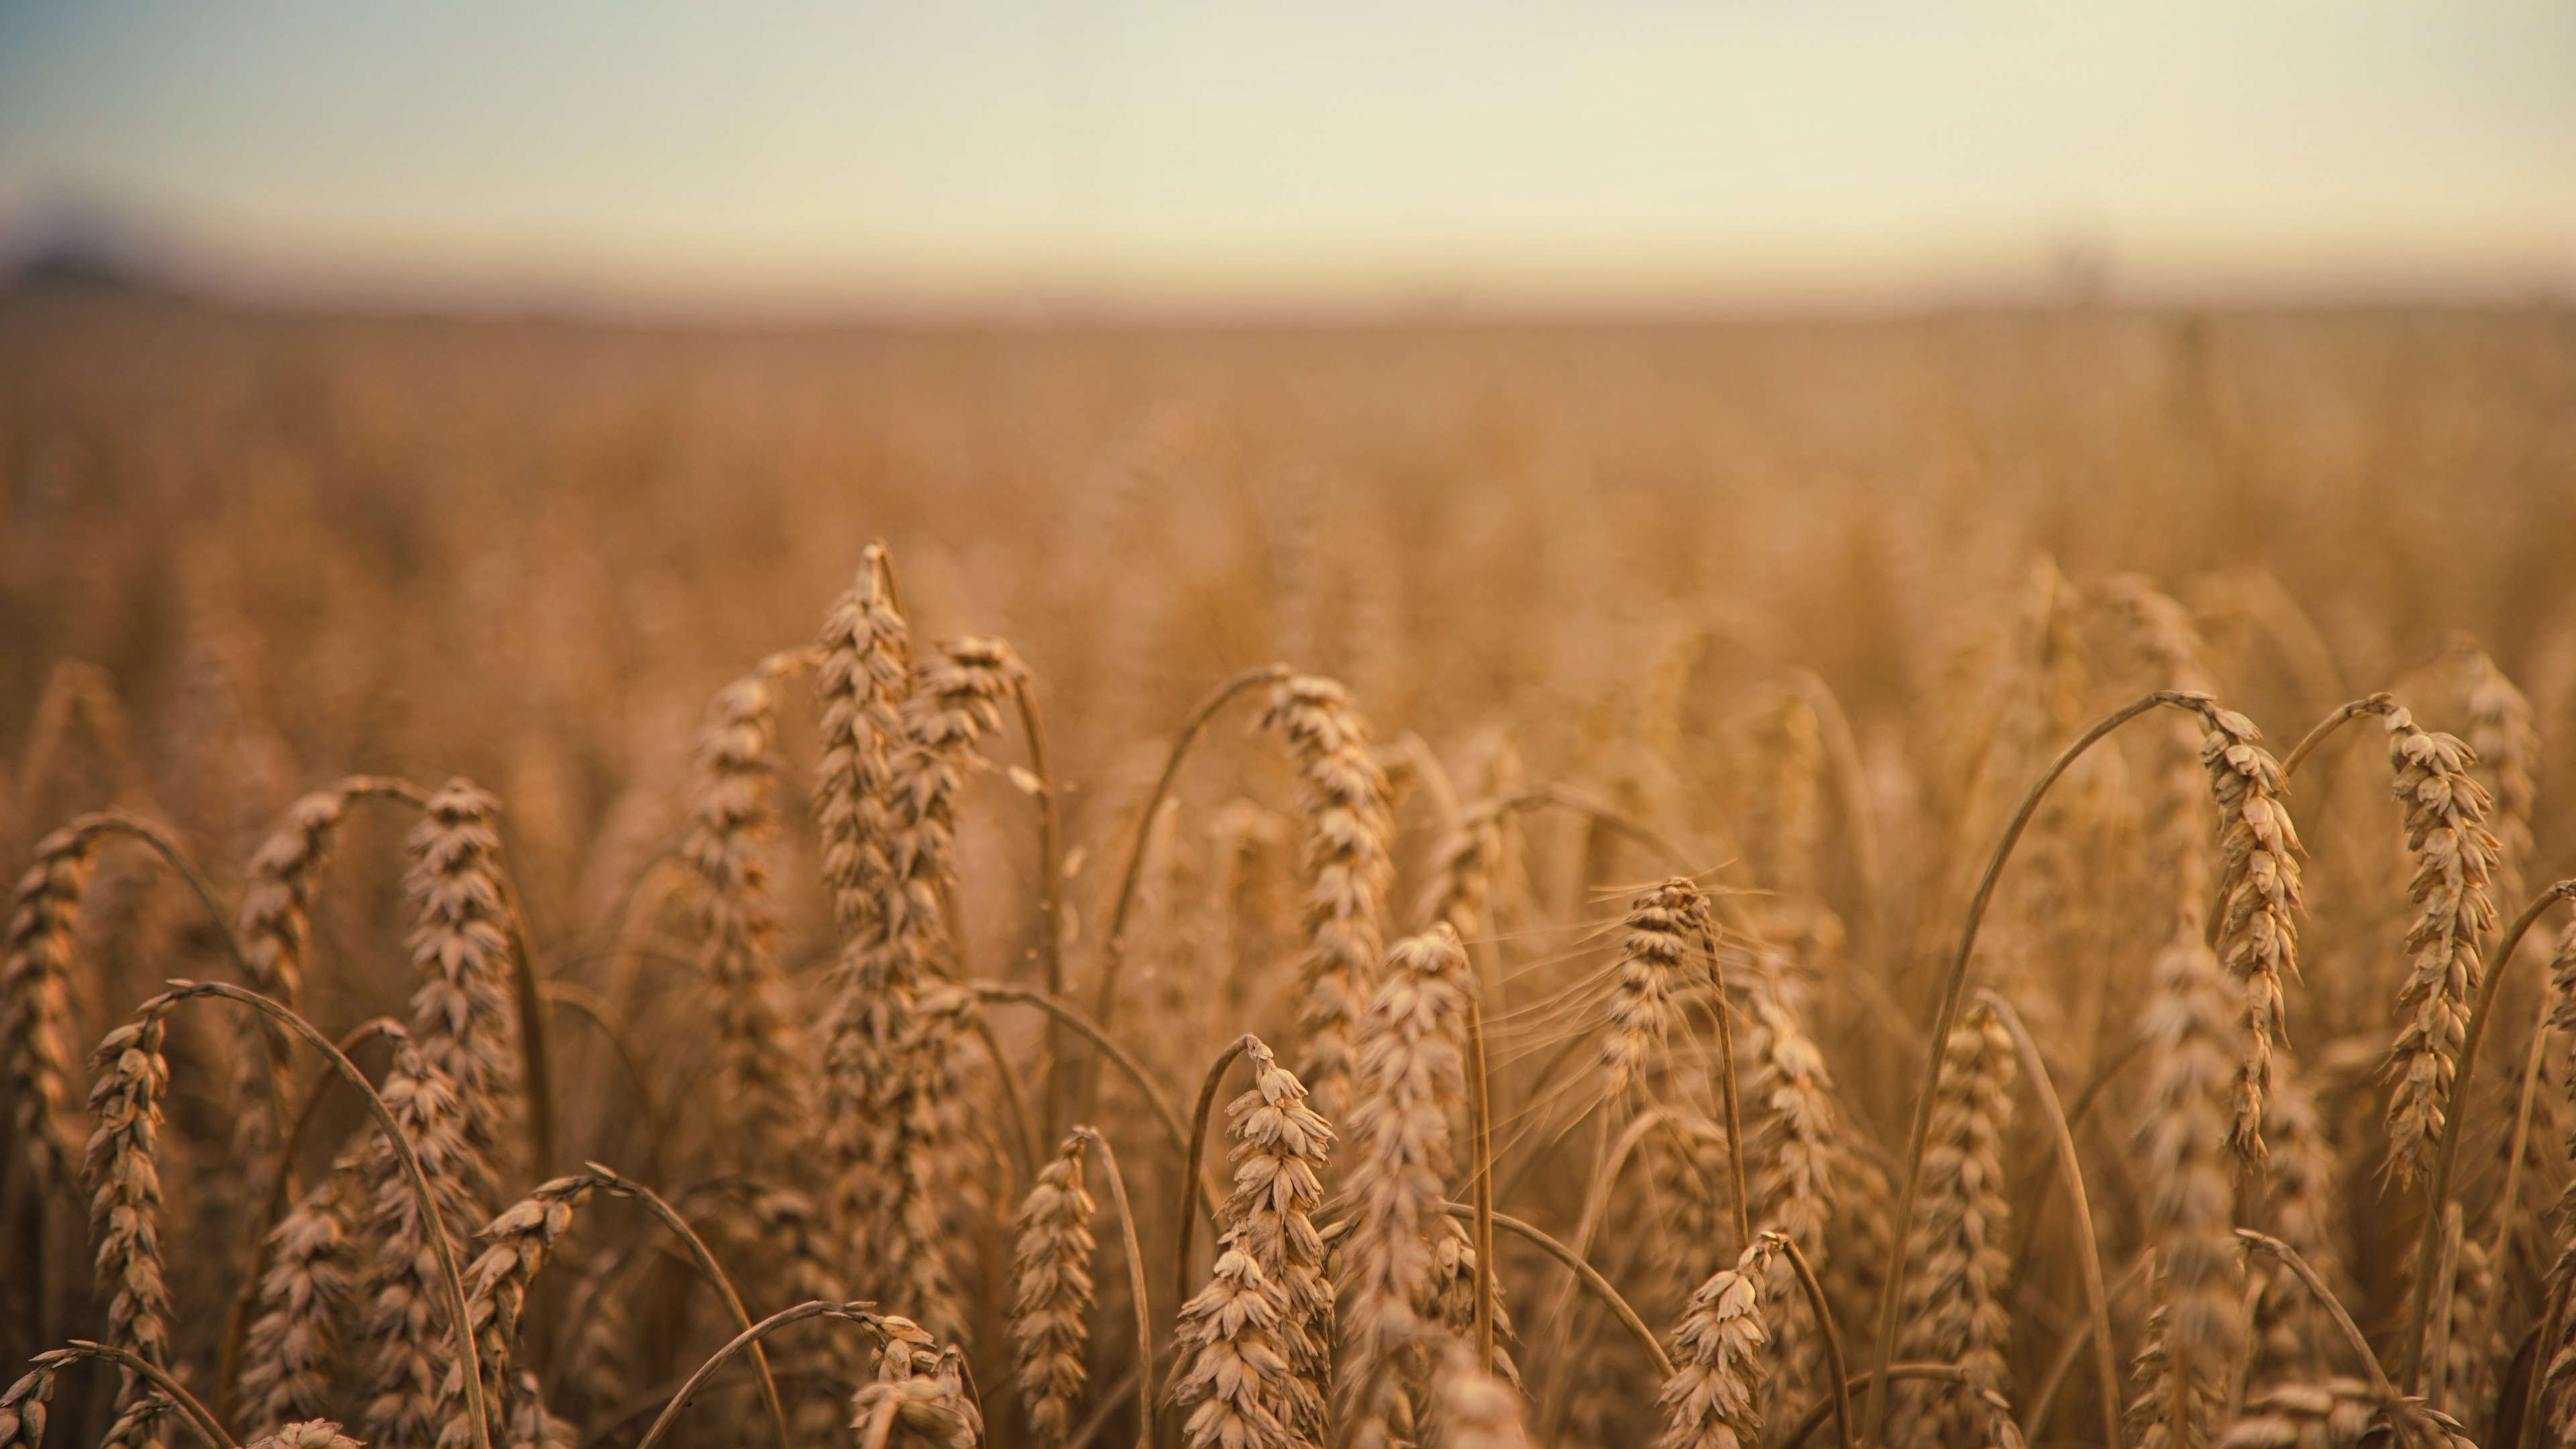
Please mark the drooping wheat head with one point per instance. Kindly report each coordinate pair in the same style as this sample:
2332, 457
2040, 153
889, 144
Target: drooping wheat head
1344, 799
124, 1177
2455, 865
1051, 1293
2258, 894
496, 1287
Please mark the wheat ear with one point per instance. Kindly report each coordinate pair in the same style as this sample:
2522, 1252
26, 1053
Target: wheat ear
1654, 963
2502, 738
1051, 1293
463, 1017
1236, 1388
399, 1293
1473, 1409
125, 1201
1411, 1075
497, 1289
919, 1398
759, 1062
2194, 1332
1955, 1305
2254, 934
293, 1347
2455, 866
1344, 800
35, 996
1713, 1399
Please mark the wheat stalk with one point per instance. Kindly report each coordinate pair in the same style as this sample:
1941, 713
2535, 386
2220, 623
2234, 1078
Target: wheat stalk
1051, 1293
1344, 799
1713, 1398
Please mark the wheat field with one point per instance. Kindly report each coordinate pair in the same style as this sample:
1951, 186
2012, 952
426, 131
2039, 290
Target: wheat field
596, 887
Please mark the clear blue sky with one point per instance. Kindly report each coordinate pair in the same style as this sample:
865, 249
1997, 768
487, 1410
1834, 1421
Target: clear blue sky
772, 154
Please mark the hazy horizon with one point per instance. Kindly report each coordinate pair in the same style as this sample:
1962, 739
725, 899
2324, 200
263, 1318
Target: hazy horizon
1145, 156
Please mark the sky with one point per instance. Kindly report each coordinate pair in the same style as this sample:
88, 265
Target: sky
757, 156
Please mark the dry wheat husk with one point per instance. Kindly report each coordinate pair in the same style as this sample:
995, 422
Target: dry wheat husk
1051, 1293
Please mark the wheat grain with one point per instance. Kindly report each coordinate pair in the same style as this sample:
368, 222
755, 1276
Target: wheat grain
1051, 1293
2455, 862
1344, 799
919, 1396
497, 1287
1712, 1400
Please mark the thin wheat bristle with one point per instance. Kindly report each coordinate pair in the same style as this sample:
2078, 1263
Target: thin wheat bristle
2455, 863
1343, 796
1410, 1076
1713, 1399
1051, 1293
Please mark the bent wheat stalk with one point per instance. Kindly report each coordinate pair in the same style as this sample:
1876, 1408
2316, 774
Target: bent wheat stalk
852, 1312
1945, 1019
